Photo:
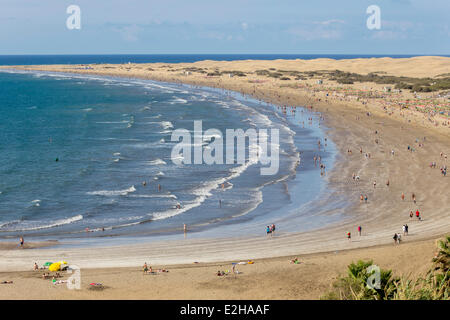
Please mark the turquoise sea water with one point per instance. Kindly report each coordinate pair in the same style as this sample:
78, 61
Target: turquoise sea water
75, 151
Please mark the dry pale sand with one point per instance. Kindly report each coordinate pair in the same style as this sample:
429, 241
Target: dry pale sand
350, 128
274, 278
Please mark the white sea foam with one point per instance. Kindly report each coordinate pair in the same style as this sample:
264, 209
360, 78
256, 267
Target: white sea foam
111, 193
157, 162
112, 122
155, 117
28, 225
166, 124
168, 196
36, 203
178, 101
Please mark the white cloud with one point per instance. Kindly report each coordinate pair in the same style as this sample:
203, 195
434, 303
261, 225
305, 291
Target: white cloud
128, 33
329, 22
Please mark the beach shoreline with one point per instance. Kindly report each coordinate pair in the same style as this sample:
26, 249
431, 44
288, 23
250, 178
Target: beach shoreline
351, 125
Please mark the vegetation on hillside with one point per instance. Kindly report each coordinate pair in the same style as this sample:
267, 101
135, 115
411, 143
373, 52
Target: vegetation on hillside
435, 285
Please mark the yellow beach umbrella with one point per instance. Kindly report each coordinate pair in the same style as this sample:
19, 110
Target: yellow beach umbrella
54, 267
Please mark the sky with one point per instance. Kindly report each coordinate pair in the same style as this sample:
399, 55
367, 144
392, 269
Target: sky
226, 27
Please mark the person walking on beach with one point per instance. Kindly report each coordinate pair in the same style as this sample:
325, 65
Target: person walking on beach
22, 242
349, 235
145, 268
403, 196
395, 238
406, 229
359, 230
272, 229
268, 230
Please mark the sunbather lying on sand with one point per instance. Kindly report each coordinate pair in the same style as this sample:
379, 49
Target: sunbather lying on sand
6, 282
295, 261
162, 270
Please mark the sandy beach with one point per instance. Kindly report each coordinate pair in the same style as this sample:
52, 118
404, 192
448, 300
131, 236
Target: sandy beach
273, 278
364, 117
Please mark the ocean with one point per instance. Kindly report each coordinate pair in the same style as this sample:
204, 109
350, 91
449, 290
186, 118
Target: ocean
77, 149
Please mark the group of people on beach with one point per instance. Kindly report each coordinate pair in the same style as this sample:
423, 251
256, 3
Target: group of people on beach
411, 215
270, 230
397, 238
146, 269
364, 197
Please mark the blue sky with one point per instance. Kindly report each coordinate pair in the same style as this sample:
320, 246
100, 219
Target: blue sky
228, 26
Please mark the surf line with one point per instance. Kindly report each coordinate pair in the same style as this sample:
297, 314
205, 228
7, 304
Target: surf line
212, 152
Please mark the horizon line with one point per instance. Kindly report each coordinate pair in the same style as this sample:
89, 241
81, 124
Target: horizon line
287, 54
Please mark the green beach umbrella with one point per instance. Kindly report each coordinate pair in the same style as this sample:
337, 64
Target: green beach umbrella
47, 264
